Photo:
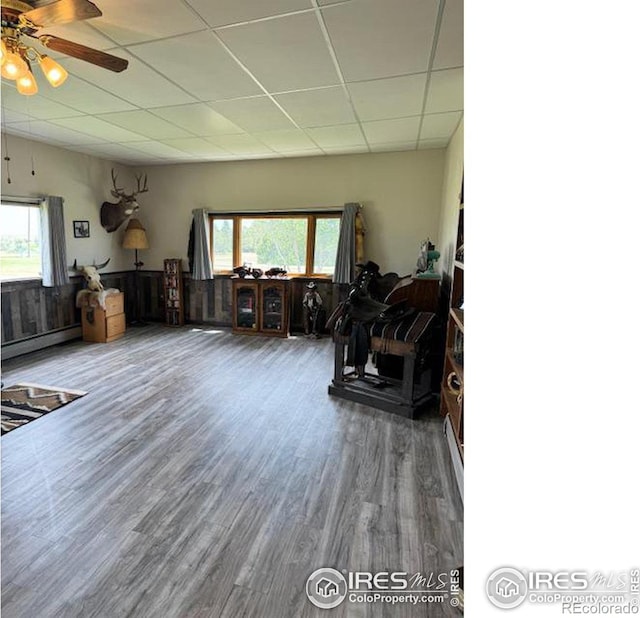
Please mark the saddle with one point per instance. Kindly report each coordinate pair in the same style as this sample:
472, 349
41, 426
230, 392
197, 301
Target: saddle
365, 300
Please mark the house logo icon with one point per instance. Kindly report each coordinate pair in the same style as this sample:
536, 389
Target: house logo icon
506, 588
326, 588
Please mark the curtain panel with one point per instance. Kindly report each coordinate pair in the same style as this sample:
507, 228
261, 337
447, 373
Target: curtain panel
53, 245
202, 267
345, 270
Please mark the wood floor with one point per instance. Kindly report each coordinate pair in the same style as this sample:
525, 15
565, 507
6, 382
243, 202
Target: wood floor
206, 475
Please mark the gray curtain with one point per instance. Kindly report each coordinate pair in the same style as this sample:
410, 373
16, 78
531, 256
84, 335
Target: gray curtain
54, 248
346, 257
201, 257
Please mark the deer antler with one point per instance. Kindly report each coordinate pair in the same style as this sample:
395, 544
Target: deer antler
141, 189
116, 192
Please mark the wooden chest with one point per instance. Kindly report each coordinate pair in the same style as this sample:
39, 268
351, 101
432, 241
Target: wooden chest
104, 325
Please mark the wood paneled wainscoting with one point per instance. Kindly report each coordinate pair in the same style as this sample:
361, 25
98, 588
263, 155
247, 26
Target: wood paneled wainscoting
34, 317
210, 302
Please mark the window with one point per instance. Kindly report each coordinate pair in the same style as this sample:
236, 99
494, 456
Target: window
20, 241
302, 244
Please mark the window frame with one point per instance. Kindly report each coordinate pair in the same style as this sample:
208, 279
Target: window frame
237, 217
25, 203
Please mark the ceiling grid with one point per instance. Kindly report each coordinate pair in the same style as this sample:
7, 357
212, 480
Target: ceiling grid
259, 79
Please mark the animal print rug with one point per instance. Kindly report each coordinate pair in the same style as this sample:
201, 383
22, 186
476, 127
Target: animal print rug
26, 402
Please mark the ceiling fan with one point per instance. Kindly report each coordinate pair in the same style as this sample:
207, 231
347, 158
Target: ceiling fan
22, 21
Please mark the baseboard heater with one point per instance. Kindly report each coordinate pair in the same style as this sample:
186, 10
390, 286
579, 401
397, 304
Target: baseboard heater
39, 342
456, 459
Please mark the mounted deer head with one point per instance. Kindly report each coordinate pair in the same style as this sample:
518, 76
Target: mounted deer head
112, 216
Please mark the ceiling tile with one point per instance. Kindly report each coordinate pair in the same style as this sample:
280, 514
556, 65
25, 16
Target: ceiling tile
158, 149
145, 123
378, 38
394, 97
129, 22
311, 152
241, 144
317, 108
24, 134
138, 84
450, 49
437, 126
195, 146
446, 91
288, 53
346, 150
338, 137
427, 144
63, 135
9, 116
99, 128
223, 12
82, 32
115, 152
39, 107
85, 97
387, 131
199, 119
393, 146
255, 114
200, 64
283, 141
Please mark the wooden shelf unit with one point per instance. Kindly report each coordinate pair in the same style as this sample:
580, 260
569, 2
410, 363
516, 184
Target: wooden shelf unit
173, 292
261, 307
452, 387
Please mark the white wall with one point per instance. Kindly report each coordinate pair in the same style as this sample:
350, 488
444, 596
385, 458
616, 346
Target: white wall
452, 183
83, 181
401, 193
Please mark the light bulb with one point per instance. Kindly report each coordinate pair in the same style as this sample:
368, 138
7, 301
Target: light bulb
13, 66
27, 84
54, 72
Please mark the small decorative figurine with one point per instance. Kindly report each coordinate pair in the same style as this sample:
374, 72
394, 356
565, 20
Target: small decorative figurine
311, 305
427, 257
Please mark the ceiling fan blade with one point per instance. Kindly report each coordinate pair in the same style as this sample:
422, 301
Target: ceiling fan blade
88, 54
62, 12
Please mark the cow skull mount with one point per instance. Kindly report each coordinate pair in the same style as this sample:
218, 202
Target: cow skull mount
113, 215
90, 274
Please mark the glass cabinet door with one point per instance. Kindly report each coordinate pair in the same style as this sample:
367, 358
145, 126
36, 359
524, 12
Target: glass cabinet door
246, 307
272, 308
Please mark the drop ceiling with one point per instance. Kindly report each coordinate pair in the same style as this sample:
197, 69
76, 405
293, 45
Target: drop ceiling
240, 79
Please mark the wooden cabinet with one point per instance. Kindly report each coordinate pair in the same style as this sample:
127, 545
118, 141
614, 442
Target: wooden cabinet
452, 388
261, 307
173, 294
104, 325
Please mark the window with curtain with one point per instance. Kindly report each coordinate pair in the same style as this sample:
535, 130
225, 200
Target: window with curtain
304, 244
20, 241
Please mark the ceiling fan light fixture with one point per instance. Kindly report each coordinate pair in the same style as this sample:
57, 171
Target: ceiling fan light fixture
53, 71
26, 84
3, 53
13, 66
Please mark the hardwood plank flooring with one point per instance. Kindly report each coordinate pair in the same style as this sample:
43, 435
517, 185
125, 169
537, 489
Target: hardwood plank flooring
207, 475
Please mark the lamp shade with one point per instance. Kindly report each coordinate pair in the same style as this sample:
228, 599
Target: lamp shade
135, 236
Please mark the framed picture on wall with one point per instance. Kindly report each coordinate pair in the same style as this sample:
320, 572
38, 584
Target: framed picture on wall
81, 229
